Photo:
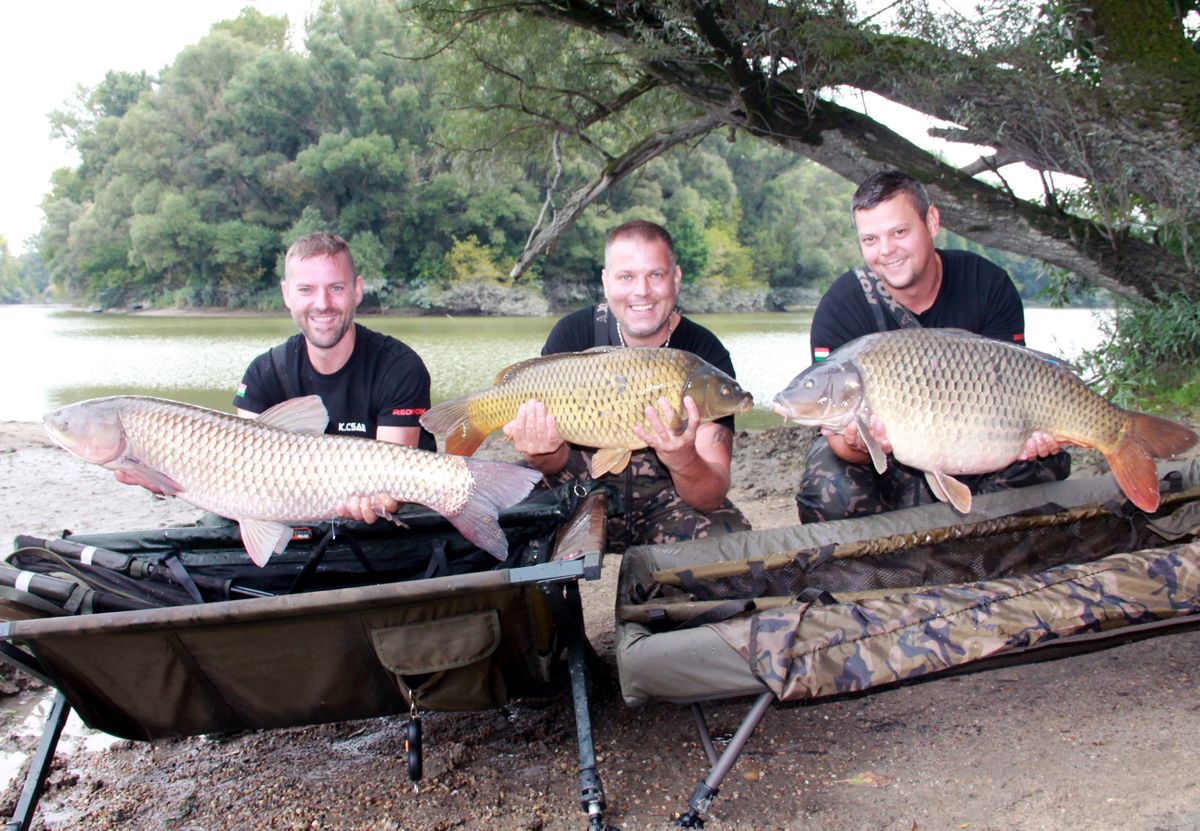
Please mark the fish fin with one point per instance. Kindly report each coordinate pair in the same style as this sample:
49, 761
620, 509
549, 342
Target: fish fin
609, 460
1144, 439
161, 482
948, 489
450, 418
878, 457
262, 538
511, 371
497, 485
306, 414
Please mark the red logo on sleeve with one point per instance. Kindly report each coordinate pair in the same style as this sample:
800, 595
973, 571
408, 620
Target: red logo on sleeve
408, 412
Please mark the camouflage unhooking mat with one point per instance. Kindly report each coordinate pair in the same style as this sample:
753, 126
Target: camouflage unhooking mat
810, 611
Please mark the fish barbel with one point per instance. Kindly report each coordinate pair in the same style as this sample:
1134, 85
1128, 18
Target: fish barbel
596, 397
281, 468
953, 402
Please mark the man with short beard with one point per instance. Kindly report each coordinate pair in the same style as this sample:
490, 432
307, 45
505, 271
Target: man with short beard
907, 282
676, 488
372, 385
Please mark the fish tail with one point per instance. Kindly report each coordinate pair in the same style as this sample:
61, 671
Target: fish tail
1143, 440
497, 485
453, 420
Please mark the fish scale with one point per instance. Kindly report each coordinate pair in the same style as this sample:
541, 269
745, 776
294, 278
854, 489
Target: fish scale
953, 402
281, 469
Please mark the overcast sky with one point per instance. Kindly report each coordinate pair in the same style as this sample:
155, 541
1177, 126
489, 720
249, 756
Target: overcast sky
47, 47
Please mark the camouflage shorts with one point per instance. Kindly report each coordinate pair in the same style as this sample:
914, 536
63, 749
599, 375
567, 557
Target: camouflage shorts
833, 489
651, 509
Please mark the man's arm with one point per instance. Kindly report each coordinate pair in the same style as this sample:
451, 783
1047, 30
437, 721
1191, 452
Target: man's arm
407, 436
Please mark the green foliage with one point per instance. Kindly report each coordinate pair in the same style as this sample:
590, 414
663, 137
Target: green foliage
469, 262
1151, 352
190, 186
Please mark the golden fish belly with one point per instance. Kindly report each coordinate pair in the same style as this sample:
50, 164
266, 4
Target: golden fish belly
596, 400
968, 405
238, 468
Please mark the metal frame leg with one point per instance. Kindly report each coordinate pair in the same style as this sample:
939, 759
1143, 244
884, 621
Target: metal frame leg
591, 790
707, 790
39, 766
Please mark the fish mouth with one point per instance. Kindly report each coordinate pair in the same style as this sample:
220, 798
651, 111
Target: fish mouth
781, 408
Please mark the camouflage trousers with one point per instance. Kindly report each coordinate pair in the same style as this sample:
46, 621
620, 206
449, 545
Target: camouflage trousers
831, 488
651, 509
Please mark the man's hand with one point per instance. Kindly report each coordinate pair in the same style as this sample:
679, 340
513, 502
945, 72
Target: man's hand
674, 449
850, 447
367, 508
1039, 446
534, 434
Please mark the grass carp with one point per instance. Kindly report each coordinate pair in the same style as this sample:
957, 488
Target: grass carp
597, 397
281, 468
953, 402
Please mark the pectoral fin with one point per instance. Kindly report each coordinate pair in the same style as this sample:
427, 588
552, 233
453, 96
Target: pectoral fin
878, 457
609, 460
263, 538
949, 489
161, 482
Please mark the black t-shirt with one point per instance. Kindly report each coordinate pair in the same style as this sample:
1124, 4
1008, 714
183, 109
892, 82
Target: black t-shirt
384, 384
976, 295
577, 332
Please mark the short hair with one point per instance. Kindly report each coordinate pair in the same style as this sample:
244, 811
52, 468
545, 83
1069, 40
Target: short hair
643, 230
884, 185
319, 244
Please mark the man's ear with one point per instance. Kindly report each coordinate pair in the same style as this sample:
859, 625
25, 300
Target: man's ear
933, 220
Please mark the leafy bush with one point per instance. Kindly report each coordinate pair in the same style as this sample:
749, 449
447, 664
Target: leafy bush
1150, 354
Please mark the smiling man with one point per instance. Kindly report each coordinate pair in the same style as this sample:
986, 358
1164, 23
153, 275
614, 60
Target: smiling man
372, 385
676, 488
907, 282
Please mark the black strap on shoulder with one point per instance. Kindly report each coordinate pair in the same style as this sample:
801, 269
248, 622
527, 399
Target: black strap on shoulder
602, 337
881, 302
280, 364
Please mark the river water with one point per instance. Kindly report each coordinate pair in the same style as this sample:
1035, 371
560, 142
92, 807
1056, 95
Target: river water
58, 356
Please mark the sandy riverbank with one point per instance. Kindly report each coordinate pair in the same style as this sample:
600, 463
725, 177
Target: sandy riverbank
1103, 741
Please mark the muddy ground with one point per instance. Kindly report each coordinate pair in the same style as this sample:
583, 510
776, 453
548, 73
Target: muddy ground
1102, 741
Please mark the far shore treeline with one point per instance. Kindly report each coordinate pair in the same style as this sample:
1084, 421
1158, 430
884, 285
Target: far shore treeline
192, 182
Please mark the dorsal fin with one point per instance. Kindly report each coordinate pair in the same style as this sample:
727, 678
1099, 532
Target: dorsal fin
306, 414
513, 370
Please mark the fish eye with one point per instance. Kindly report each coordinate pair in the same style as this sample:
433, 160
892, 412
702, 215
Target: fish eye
726, 390
809, 383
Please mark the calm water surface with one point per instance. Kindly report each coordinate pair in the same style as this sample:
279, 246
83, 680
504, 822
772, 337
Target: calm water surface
58, 356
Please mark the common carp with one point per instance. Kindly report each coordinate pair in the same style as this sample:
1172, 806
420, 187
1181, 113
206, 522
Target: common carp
597, 397
953, 402
280, 468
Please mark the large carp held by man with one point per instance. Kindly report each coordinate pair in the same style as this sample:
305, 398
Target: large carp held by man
596, 397
281, 469
953, 402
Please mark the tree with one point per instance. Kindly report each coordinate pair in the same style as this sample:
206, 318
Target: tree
1108, 91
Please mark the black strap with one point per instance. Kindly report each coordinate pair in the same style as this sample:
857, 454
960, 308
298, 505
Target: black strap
438, 564
881, 302
182, 577
280, 363
603, 328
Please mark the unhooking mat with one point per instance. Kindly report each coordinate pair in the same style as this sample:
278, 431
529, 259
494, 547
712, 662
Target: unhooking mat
811, 611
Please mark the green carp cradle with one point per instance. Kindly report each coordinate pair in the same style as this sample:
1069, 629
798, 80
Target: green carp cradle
953, 402
281, 468
596, 397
